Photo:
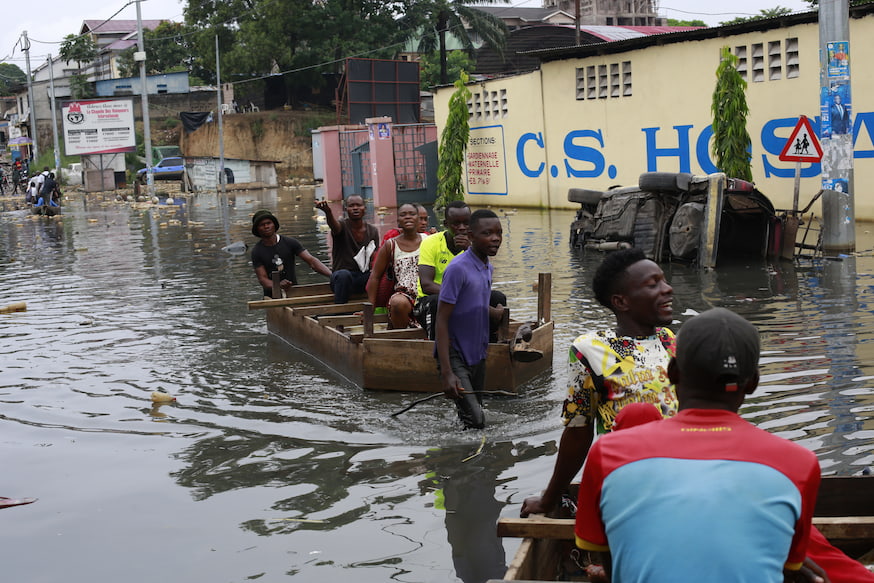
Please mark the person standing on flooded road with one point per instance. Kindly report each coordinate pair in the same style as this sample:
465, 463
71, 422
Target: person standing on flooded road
464, 317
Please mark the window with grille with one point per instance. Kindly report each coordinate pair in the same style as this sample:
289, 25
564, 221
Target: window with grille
792, 71
775, 61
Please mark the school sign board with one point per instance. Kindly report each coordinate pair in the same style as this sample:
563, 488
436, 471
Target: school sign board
802, 145
103, 126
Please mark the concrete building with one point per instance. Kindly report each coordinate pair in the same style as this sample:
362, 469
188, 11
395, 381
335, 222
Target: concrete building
612, 12
112, 37
598, 115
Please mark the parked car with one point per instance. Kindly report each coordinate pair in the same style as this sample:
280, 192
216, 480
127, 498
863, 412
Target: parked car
166, 169
72, 175
668, 215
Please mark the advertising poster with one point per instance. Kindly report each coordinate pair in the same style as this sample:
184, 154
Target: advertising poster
835, 102
103, 126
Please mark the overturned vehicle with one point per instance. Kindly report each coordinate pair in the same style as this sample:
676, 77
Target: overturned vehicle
683, 217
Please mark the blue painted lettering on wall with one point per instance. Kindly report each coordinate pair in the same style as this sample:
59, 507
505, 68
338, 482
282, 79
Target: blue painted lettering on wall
520, 154
584, 156
581, 153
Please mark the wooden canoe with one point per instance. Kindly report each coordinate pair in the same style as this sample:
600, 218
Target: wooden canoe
844, 514
48, 211
361, 349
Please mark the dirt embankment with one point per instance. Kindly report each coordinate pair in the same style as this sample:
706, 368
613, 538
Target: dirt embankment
283, 136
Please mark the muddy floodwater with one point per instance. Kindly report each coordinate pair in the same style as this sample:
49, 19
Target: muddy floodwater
268, 466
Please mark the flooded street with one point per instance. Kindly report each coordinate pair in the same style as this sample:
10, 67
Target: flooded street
269, 467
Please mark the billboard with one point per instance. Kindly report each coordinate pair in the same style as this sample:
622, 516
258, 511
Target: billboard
103, 126
377, 87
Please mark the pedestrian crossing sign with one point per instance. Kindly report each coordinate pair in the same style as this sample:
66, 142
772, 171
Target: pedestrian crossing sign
802, 145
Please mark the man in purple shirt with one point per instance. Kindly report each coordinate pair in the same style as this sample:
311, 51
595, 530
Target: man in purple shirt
463, 316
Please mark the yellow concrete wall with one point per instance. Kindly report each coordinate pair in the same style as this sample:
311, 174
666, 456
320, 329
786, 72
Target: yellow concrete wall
664, 124
503, 111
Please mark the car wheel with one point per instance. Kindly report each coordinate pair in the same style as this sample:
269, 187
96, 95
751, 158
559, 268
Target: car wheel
583, 196
665, 181
685, 231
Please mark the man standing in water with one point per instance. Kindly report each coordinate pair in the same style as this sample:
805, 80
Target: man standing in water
463, 319
435, 254
705, 492
275, 252
354, 241
608, 369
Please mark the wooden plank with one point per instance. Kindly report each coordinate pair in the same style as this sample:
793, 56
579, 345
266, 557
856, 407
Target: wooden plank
367, 319
516, 570
312, 289
291, 302
845, 495
350, 320
327, 345
277, 291
329, 309
839, 529
537, 527
834, 528
398, 334
504, 326
544, 297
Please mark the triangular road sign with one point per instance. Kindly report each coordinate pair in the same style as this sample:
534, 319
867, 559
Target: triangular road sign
802, 145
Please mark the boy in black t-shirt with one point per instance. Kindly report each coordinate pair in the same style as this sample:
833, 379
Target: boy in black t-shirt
275, 252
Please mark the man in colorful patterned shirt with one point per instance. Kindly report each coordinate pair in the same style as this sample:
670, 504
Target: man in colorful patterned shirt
608, 369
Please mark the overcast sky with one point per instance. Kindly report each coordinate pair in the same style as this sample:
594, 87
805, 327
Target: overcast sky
48, 21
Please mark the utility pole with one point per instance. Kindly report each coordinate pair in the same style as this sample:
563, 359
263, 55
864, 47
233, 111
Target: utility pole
54, 119
577, 20
25, 46
140, 56
838, 205
221, 135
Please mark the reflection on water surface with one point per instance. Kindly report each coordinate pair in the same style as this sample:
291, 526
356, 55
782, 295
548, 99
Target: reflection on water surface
268, 466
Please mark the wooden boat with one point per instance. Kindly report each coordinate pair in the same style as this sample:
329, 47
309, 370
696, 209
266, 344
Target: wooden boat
361, 349
844, 514
48, 211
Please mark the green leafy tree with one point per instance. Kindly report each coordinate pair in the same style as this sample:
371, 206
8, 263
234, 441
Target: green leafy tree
456, 63
81, 49
453, 144
11, 77
169, 49
457, 17
731, 141
293, 42
675, 22
815, 3
763, 14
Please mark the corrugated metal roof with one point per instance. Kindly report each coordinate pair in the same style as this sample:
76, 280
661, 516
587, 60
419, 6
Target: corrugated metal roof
116, 26
614, 33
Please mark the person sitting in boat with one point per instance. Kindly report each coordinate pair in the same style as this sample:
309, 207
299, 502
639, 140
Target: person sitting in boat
423, 226
50, 195
353, 242
399, 256
275, 252
823, 558
705, 492
608, 369
436, 253
464, 317
386, 286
